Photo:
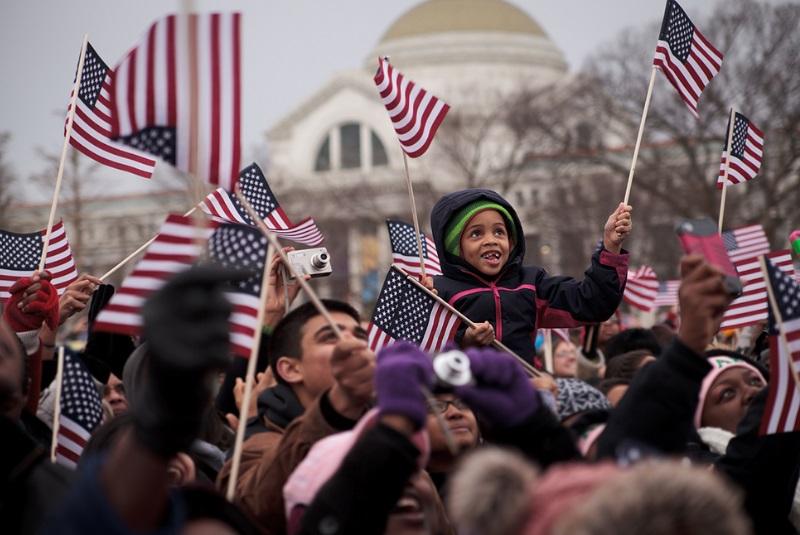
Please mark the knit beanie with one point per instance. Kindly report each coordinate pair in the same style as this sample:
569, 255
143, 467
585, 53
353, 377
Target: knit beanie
576, 396
454, 228
719, 364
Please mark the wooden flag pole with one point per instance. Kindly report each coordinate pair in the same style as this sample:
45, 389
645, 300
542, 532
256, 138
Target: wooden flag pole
73, 100
496, 343
639, 135
548, 350
773, 303
136, 252
244, 409
414, 217
725, 172
57, 403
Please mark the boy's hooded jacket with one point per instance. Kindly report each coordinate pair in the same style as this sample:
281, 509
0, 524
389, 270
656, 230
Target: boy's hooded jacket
521, 299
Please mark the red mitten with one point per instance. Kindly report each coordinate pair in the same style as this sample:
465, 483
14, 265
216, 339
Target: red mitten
43, 309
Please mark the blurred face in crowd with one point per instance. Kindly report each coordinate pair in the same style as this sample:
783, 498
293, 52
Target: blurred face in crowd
460, 421
114, 395
415, 511
317, 340
729, 397
12, 374
608, 329
485, 244
565, 359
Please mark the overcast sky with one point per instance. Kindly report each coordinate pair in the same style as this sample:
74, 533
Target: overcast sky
290, 49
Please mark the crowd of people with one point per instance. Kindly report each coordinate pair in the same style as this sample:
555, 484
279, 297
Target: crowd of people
647, 431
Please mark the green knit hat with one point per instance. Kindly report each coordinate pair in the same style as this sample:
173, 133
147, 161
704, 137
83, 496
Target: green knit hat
454, 228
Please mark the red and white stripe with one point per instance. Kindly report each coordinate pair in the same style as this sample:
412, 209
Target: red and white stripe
668, 295
243, 322
782, 412
219, 205
411, 263
641, 288
751, 306
690, 78
415, 113
186, 73
58, 262
178, 245
750, 241
70, 442
742, 170
441, 329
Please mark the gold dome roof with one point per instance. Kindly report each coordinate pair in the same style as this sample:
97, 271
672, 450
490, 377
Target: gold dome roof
436, 16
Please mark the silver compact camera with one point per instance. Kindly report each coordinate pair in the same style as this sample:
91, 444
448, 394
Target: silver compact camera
315, 262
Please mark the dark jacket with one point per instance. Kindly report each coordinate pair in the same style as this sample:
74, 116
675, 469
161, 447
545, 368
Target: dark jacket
521, 299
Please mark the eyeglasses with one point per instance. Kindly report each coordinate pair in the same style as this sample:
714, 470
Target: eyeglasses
441, 405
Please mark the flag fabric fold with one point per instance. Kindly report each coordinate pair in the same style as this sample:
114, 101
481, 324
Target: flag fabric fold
782, 413
685, 56
81, 411
641, 289
92, 123
745, 242
20, 255
178, 245
747, 151
415, 113
405, 252
177, 95
224, 206
751, 307
667, 295
406, 312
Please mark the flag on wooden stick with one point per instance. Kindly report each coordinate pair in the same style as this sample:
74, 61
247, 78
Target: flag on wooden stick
91, 127
415, 113
223, 206
641, 288
81, 411
751, 307
782, 413
685, 56
405, 311
747, 151
177, 95
404, 249
667, 295
20, 255
745, 242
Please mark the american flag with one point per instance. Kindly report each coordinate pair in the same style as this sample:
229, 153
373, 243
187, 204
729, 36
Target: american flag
176, 247
81, 411
242, 248
751, 306
225, 207
561, 333
20, 255
177, 95
404, 249
782, 413
747, 151
667, 295
415, 113
687, 59
406, 312
641, 288
745, 242
91, 126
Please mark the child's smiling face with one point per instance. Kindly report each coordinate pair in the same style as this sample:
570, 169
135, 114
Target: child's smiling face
485, 244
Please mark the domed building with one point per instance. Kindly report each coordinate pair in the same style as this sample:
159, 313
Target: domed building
338, 145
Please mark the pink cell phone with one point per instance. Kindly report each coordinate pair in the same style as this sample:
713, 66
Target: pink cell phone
700, 236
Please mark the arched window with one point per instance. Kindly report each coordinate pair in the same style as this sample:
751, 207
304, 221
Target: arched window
350, 145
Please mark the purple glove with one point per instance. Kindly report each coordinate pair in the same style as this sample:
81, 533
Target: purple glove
402, 369
501, 392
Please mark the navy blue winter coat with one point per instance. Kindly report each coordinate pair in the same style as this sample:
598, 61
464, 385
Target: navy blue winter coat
522, 298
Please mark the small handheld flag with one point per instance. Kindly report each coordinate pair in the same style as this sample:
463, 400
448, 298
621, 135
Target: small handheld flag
747, 151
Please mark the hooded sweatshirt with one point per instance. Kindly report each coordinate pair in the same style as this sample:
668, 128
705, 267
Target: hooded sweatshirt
520, 298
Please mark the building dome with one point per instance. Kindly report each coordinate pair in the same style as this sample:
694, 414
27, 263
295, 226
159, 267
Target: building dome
438, 16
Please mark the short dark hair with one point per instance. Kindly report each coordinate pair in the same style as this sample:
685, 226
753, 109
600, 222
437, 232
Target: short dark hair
630, 339
626, 365
285, 339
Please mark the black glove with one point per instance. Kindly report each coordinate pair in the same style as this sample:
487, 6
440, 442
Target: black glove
186, 328
105, 353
